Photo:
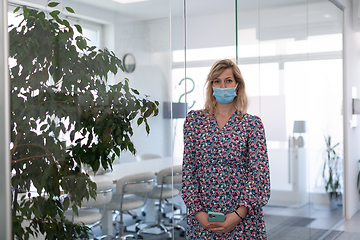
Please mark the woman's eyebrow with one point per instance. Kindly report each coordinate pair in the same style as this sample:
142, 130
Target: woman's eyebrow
225, 78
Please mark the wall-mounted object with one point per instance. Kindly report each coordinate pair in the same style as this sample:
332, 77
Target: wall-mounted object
179, 110
129, 63
188, 90
355, 106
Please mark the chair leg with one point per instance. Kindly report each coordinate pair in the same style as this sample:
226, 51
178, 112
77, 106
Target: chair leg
125, 236
121, 230
175, 226
132, 214
161, 226
158, 225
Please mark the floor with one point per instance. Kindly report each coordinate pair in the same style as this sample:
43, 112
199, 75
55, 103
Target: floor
332, 220
352, 225
331, 223
324, 218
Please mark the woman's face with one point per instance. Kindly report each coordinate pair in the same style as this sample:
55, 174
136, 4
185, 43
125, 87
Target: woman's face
225, 79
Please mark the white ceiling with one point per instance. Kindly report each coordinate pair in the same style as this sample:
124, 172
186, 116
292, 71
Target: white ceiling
155, 9
159, 9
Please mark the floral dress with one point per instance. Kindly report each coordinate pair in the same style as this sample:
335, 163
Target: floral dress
224, 169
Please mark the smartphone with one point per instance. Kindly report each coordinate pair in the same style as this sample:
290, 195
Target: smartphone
216, 217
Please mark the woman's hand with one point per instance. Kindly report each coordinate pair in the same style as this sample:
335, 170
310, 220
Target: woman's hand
231, 221
202, 218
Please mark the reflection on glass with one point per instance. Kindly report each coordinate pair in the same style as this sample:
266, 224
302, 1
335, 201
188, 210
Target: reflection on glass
284, 51
69, 125
292, 45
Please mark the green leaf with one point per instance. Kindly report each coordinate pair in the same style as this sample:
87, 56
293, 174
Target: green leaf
92, 54
72, 135
81, 43
66, 203
139, 121
148, 113
42, 15
53, 4
117, 151
135, 91
66, 23
79, 29
69, 9
131, 147
55, 13
43, 127
147, 128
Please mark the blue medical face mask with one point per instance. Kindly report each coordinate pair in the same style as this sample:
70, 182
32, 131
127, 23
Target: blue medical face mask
224, 95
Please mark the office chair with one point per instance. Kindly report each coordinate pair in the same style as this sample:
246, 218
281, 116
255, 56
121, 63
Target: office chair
163, 190
90, 212
126, 199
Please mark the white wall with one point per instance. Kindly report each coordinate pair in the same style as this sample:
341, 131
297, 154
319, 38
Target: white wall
351, 135
150, 44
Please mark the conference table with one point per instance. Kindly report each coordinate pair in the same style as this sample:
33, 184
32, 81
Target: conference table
128, 168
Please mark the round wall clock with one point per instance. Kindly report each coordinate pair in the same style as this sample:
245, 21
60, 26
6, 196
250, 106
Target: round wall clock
129, 63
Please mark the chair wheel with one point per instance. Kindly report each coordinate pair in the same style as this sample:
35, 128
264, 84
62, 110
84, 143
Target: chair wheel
182, 234
134, 217
125, 230
137, 229
139, 237
143, 213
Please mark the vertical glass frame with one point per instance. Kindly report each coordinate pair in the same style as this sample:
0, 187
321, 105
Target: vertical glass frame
5, 210
288, 38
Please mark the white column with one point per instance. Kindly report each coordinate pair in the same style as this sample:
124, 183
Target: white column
5, 196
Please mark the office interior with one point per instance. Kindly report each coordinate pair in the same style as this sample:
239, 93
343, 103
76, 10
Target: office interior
300, 62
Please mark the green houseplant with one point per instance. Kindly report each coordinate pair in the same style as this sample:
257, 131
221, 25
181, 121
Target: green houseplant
58, 88
332, 171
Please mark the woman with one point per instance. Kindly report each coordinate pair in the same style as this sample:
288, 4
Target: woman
225, 165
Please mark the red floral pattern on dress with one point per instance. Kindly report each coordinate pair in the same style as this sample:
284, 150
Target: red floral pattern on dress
225, 169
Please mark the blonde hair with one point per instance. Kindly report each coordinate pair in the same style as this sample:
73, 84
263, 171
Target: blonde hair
241, 100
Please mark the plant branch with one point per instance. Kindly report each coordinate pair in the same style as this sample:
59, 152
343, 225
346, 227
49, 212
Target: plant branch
26, 158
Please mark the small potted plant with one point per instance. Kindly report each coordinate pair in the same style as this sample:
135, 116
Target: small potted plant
332, 172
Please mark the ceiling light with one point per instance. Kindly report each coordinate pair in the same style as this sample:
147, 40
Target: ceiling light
129, 1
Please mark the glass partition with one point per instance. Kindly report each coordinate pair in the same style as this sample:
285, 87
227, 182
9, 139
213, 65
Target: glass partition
284, 50
136, 107
290, 55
